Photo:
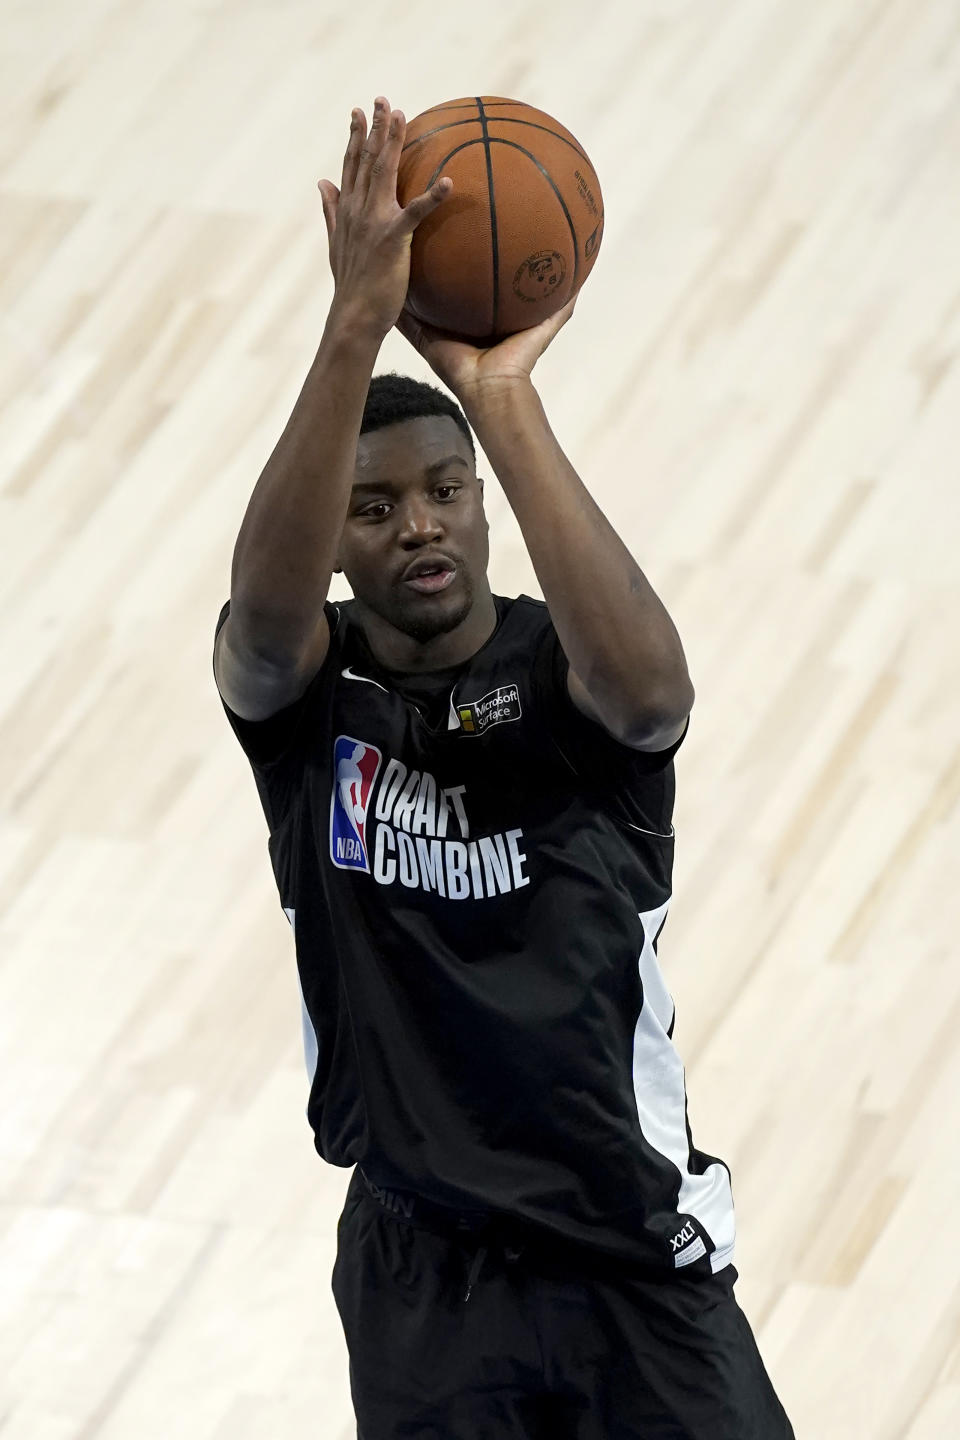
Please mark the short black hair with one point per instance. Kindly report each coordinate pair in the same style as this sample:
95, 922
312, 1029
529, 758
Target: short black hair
392, 398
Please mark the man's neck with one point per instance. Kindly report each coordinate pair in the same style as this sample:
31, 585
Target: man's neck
395, 650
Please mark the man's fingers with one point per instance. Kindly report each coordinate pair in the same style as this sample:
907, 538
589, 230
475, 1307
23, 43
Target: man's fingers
330, 196
383, 170
543, 334
426, 203
374, 144
557, 321
411, 329
419, 333
351, 159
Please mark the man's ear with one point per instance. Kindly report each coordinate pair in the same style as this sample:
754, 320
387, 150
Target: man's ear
483, 508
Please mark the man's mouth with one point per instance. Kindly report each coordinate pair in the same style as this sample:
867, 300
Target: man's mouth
428, 576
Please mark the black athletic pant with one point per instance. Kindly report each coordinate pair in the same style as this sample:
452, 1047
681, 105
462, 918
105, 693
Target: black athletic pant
534, 1354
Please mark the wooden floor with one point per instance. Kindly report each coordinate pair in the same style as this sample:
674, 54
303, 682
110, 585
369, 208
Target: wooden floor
761, 385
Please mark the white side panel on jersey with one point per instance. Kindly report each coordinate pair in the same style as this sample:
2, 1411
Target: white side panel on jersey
311, 1049
660, 1091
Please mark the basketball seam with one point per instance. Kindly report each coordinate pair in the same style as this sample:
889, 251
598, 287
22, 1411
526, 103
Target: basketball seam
494, 238
500, 120
469, 104
544, 172
446, 160
554, 187
467, 144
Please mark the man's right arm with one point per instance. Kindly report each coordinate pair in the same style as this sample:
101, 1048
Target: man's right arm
275, 638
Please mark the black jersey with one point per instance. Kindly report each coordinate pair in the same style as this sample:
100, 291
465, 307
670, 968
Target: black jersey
477, 876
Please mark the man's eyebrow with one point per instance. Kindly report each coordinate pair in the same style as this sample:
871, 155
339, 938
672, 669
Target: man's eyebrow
432, 469
373, 485
447, 460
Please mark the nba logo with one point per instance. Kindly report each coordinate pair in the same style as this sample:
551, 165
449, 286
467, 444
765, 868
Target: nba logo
355, 766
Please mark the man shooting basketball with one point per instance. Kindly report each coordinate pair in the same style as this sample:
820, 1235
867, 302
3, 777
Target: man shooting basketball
469, 801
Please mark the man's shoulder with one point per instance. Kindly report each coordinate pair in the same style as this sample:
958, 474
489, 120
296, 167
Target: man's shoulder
522, 633
523, 613
524, 604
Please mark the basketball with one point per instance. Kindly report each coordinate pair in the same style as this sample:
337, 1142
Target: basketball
521, 231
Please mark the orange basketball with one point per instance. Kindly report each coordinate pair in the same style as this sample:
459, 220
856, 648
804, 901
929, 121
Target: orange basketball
522, 228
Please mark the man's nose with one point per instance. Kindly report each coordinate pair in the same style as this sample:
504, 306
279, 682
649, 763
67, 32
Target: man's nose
420, 525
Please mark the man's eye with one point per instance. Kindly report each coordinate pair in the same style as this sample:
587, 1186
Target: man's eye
446, 492
376, 511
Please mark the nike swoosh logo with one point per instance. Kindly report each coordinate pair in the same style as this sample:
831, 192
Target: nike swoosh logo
348, 674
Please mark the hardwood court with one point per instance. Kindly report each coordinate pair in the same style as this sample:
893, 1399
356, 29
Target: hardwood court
761, 387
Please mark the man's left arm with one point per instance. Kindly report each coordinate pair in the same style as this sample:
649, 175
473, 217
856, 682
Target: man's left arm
627, 667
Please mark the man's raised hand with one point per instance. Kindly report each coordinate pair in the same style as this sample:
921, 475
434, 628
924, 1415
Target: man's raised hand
469, 369
368, 230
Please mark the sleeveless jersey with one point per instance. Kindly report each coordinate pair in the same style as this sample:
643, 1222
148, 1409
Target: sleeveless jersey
477, 876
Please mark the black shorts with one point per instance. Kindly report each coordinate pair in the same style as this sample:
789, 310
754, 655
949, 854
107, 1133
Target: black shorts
537, 1351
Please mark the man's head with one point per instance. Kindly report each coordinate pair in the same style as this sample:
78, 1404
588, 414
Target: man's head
414, 546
